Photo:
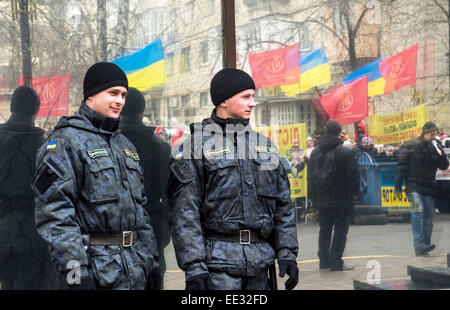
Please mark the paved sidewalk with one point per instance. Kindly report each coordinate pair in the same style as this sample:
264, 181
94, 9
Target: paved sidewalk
311, 278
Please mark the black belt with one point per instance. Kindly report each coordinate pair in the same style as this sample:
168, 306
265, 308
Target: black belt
243, 237
125, 239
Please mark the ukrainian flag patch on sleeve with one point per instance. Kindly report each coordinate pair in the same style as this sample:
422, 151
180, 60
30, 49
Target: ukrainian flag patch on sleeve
51, 145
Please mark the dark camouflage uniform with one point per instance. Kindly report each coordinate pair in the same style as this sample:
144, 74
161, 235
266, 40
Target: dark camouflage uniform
89, 181
222, 193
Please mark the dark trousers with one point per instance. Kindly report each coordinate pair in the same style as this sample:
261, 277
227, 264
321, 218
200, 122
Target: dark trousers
331, 248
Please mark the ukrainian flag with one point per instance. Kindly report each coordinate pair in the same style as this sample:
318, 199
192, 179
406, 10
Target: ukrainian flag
144, 68
376, 81
314, 71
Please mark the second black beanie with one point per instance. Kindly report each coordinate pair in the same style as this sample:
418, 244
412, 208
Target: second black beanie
25, 100
228, 82
134, 103
101, 76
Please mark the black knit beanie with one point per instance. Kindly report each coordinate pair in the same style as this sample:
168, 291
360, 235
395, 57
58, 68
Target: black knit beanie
333, 127
429, 127
25, 100
101, 76
134, 103
228, 82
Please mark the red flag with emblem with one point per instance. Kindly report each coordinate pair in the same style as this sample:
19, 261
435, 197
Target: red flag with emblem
399, 70
53, 93
276, 67
347, 104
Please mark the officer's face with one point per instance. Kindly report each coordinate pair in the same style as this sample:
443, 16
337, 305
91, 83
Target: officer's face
240, 105
108, 102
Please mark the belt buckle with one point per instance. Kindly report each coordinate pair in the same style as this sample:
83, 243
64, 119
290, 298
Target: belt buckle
127, 238
244, 236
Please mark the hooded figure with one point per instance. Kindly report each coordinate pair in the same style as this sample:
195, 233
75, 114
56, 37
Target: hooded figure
333, 181
154, 155
24, 258
360, 132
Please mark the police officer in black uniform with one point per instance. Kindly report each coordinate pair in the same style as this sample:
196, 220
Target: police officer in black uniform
154, 154
24, 258
229, 197
90, 194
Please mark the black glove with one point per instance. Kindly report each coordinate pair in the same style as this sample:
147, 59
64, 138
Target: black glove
198, 282
154, 280
290, 267
87, 283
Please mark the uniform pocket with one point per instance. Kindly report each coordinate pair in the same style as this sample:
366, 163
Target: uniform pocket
224, 181
107, 265
266, 179
134, 176
100, 181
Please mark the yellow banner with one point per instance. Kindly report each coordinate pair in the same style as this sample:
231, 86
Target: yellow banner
284, 137
398, 127
390, 199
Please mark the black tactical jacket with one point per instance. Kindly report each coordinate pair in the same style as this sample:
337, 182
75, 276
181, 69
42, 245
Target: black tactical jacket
89, 181
224, 181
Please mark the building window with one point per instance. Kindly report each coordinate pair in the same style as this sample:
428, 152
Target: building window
189, 17
189, 112
173, 102
204, 52
156, 108
210, 8
186, 65
185, 101
169, 66
203, 99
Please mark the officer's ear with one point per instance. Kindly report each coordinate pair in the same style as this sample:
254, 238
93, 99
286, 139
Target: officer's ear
223, 104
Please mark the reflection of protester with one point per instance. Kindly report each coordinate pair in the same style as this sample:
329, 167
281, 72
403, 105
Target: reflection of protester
296, 158
24, 258
419, 160
90, 193
162, 133
178, 135
366, 146
309, 148
154, 156
333, 180
360, 132
231, 217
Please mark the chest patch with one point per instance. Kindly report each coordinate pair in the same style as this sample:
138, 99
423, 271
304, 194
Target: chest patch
134, 156
265, 149
218, 152
97, 153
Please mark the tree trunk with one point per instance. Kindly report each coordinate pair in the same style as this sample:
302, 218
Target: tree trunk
26, 43
102, 30
122, 23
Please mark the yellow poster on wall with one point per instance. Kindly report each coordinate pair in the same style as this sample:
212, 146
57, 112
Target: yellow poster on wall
291, 143
398, 127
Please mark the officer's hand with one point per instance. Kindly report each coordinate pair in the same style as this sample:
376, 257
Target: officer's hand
154, 280
290, 267
86, 283
198, 282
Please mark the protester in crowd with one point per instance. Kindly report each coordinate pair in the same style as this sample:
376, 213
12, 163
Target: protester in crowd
309, 148
154, 156
296, 161
419, 160
333, 181
360, 132
24, 257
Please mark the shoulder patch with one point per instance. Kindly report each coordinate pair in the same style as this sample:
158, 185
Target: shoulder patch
51, 145
97, 153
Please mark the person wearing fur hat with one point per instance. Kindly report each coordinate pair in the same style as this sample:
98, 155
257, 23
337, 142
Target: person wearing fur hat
229, 198
24, 258
418, 162
333, 182
90, 194
154, 155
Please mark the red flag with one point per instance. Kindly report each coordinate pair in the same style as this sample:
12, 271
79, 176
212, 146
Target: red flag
347, 104
54, 94
399, 70
276, 67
